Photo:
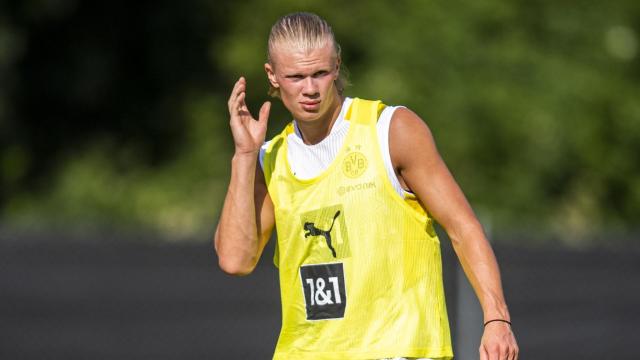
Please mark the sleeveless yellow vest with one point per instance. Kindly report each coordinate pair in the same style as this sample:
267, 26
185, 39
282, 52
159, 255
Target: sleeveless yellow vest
360, 267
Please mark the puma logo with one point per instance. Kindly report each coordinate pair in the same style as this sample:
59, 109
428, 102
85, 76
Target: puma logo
312, 230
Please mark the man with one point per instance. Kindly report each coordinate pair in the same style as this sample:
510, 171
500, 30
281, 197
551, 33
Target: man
352, 186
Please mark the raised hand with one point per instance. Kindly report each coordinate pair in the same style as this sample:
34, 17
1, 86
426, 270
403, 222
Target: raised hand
248, 133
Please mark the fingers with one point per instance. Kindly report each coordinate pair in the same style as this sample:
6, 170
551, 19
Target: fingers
238, 89
234, 92
483, 353
512, 349
264, 112
240, 104
515, 351
238, 107
498, 352
509, 352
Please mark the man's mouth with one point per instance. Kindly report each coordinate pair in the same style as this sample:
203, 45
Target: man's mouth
310, 105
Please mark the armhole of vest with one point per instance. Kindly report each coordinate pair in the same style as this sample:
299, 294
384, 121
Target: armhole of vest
266, 159
419, 214
267, 156
263, 150
382, 127
267, 166
381, 108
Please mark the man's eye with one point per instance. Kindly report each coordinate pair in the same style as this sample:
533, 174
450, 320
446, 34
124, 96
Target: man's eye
320, 73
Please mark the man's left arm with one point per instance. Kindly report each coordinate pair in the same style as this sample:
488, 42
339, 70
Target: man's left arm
420, 167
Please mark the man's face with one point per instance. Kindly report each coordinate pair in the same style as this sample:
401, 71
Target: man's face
305, 80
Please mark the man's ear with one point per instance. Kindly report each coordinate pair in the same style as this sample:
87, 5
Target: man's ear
271, 75
338, 62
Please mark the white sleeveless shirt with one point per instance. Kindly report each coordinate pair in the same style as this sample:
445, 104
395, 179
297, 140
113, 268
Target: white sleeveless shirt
308, 161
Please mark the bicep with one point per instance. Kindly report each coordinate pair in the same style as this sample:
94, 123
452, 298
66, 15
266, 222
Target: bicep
265, 218
418, 161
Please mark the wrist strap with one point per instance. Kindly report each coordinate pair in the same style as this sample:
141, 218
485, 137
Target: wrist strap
501, 320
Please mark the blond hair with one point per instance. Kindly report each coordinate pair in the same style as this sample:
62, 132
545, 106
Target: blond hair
303, 31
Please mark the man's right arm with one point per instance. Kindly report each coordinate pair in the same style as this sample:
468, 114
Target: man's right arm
247, 218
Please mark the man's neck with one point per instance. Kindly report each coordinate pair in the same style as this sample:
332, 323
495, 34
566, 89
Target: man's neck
315, 131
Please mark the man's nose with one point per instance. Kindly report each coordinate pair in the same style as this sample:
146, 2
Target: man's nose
310, 87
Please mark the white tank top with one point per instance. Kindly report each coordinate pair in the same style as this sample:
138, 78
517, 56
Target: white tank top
308, 161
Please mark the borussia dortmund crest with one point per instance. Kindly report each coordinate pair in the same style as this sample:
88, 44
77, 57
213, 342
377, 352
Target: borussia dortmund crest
354, 164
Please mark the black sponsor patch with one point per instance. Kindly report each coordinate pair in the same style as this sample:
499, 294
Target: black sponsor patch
324, 291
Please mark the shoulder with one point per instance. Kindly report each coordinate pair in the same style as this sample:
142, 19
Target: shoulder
404, 122
409, 138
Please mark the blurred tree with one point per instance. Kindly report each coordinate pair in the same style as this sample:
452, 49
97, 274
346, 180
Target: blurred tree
108, 71
533, 105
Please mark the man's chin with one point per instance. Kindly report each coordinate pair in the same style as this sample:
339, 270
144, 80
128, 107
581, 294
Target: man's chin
304, 115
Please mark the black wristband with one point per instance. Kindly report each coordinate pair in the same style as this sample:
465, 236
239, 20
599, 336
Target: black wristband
501, 320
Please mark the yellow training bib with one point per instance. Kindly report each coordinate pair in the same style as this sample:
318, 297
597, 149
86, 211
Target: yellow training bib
360, 267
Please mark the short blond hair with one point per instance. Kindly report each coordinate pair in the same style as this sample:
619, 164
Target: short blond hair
304, 31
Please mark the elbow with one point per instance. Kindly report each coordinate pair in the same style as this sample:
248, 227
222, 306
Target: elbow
464, 232
235, 267
236, 262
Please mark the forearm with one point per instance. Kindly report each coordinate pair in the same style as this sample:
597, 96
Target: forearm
237, 239
479, 263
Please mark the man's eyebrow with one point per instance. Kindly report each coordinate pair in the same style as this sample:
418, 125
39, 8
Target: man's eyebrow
296, 74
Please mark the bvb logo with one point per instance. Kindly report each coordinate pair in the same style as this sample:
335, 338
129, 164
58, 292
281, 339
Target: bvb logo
354, 164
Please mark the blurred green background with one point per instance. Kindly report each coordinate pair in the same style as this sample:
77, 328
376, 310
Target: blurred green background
113, 114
